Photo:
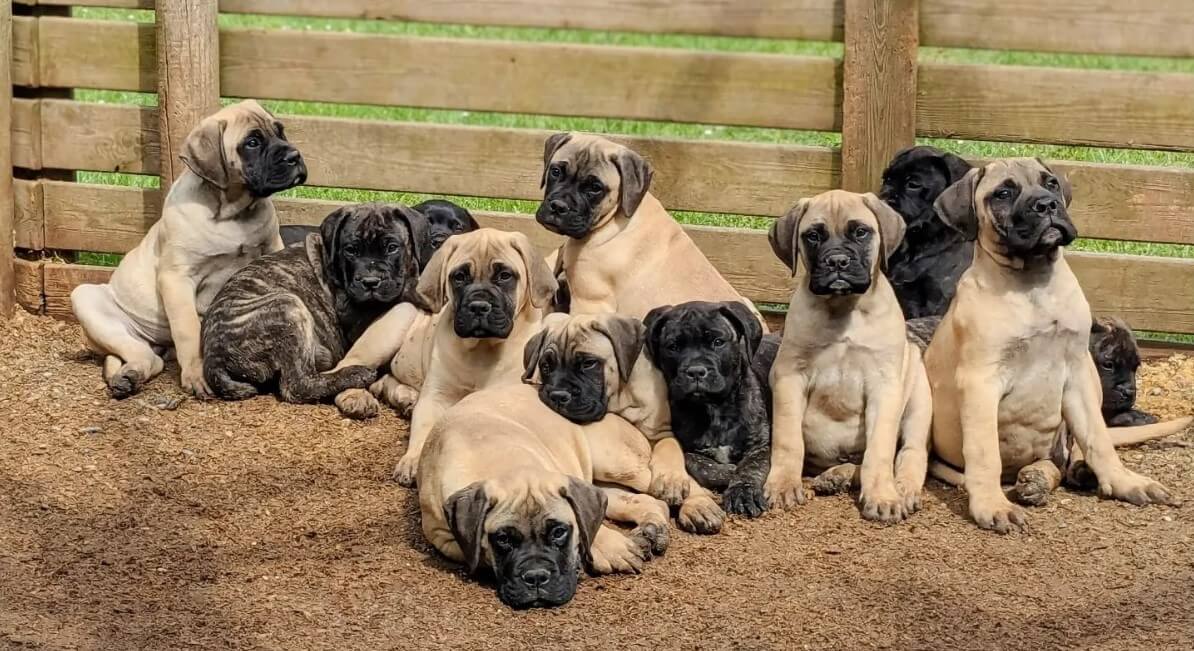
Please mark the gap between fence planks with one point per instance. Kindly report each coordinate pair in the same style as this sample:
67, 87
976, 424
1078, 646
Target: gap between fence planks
1110, 201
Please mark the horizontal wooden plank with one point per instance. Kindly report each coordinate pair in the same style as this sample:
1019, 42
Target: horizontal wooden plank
1130, 202
1155, 28
24, 51
29, 283
1100, 108
818, 20
711, 176
28, 223
1150, 293
519, 77
60, 279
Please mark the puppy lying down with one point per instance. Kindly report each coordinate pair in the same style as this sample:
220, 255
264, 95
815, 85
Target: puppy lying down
290, 315
507, 484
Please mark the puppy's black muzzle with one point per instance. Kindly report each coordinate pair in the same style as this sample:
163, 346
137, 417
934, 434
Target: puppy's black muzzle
483, 312
1040, 226
374, 285
537, 583
575, 403
697, 379
284, 169
561, 214
838, 273
1118, 399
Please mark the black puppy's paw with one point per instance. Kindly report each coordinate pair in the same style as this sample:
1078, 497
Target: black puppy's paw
1131, 418
744, 499
124, 384
1080, 476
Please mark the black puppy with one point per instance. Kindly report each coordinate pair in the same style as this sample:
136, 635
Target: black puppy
925, 268
443, 219
292, 314
720, 400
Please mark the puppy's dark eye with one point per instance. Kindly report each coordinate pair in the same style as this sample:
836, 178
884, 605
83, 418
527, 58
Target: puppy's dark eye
1003, 194
1108, 366
504, 276
500, 540
673, 346
350, 250
460, 276
392, 248
558, 535
912, 184
555, 172
812, 237
594, 188
252, 142
718, 342
861, 233
1052, 184
589, 364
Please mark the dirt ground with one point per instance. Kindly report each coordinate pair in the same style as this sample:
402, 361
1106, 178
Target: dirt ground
155, 525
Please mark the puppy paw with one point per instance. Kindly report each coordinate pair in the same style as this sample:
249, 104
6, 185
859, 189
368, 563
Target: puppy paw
886, 506
407, 470
911, 496
784, 490
998, 515
1081, 476
125, 384
395, 394
357, 403
194, 383
655, 536
700, 514
671, 487
832, 483
616, 553
1032, 487
744, 499
1135, 488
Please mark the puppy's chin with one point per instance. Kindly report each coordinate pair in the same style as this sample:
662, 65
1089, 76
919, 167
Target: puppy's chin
470, 327
265, 187
838, 284
555, 593
698, 391
1043, 241
388, 292
574, 226
579, 411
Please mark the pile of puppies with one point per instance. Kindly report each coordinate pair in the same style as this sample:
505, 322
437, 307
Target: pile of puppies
623, 378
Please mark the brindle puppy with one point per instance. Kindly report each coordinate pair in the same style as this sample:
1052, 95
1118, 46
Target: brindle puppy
291, 315
718, 394
443, 219
924, 270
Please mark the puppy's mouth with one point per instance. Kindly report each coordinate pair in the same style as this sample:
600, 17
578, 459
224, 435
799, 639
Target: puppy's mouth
573, 407
569, 224
838, 284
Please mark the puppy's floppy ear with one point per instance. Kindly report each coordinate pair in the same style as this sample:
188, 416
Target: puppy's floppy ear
891, 226
465, 511
956, 206
625, 334
1066, 191
541, 282
636, 175
329, 233
1097, 327
782, 235
749, 330
653, 327
530, 355
550, 147
416, 226
466, 217
203, 152
433, 282
955, 166
588, 504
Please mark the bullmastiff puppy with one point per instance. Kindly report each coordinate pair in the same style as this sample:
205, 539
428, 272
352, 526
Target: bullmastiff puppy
442, 219
1009, 366
586, 366
718, 394
847, 385
290, 315
624, 252
216, 219
490, 289
506, 483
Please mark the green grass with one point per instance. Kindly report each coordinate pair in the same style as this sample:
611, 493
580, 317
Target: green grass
647, 128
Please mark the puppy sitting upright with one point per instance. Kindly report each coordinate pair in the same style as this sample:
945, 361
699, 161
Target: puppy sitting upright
624, 252
718, 396
1009, 365
291, 315
925, 268
490, 289
847, 385
216, 219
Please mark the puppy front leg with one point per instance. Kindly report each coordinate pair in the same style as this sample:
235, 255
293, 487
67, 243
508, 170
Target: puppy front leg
669, 478
709, 472
912, 461
383, 338
880, 500
178, 297
744, 495
431, 406
978, 397
1080, 406
648, 515
785, 488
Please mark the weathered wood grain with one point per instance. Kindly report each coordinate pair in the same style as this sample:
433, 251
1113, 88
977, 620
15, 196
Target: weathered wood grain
7, 198
23, 65
188, 82
29, 228
29, 283
879, 88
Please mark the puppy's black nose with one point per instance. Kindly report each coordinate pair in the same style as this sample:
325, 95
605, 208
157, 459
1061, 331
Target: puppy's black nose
537, 577
837, 261
371, 282
1045, 205
696, 372
479, 307
560, 397
557, 206
293, 157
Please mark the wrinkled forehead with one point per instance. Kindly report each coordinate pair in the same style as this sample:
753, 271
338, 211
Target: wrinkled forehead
835, 210
575, 333
588, 154
372, 222
1024, 172
527, 503
481, 251
241, 119
695, 321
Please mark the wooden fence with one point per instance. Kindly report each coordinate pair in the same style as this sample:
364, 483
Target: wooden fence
880, 97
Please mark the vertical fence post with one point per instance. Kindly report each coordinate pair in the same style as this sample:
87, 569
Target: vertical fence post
188, 50
7, 200
879, 87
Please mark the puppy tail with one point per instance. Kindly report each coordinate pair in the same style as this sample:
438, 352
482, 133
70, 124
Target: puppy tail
223, 385
1125, 436
948, 474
